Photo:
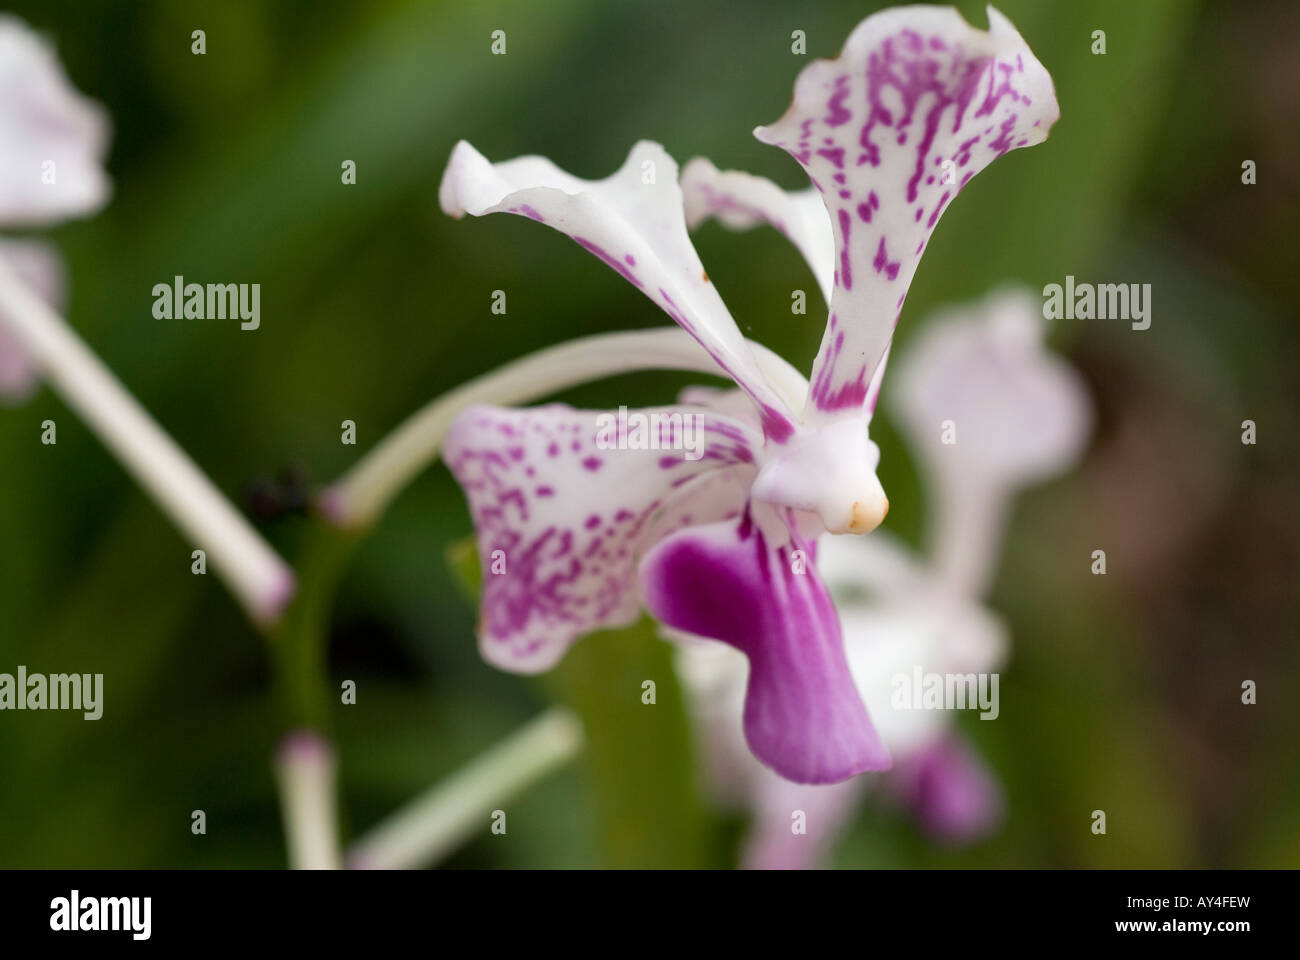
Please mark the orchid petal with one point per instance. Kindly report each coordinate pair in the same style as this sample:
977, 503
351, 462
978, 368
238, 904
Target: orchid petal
740, 584
950, 791
562, 519
38, 265
55, 140
916, 104
1021, 413
634, 221
740, 201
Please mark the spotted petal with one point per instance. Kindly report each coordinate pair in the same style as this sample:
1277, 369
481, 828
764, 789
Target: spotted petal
740, 201
633, 221
52, 139
745, 585
917, 103
563, 506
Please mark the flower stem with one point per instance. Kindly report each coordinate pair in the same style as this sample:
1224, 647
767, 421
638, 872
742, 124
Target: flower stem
969, 522
362, 494
437, 822
305, 771
259, 580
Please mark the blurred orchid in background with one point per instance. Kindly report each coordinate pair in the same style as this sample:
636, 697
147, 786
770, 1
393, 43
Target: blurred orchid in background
53, 142
979, 375
572, 538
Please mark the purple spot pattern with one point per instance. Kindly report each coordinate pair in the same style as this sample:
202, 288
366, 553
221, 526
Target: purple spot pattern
569, 516
900, 123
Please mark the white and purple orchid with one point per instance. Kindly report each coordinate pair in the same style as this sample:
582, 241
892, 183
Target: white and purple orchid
574, 536
52, 147
980, 375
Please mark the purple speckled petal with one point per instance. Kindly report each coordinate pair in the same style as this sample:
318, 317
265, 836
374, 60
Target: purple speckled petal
634, 221
948, 789
38, 265
917, 103
741, 584
563, 510
740, 201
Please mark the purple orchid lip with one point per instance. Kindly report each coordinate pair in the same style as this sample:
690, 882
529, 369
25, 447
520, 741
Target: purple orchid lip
803, 715
916, 104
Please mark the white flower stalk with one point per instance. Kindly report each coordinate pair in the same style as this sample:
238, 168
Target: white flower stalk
435, 824
255, 574
306, 769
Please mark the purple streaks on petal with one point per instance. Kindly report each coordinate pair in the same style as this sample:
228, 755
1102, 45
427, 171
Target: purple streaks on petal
846, 272
611, 260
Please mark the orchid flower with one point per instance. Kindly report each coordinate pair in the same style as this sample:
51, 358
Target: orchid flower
574, 536
52, 147
1020, 415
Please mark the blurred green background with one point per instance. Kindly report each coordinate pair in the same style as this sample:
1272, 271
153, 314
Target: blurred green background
1123, 692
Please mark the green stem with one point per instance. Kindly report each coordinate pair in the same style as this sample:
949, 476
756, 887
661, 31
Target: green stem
298, 642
